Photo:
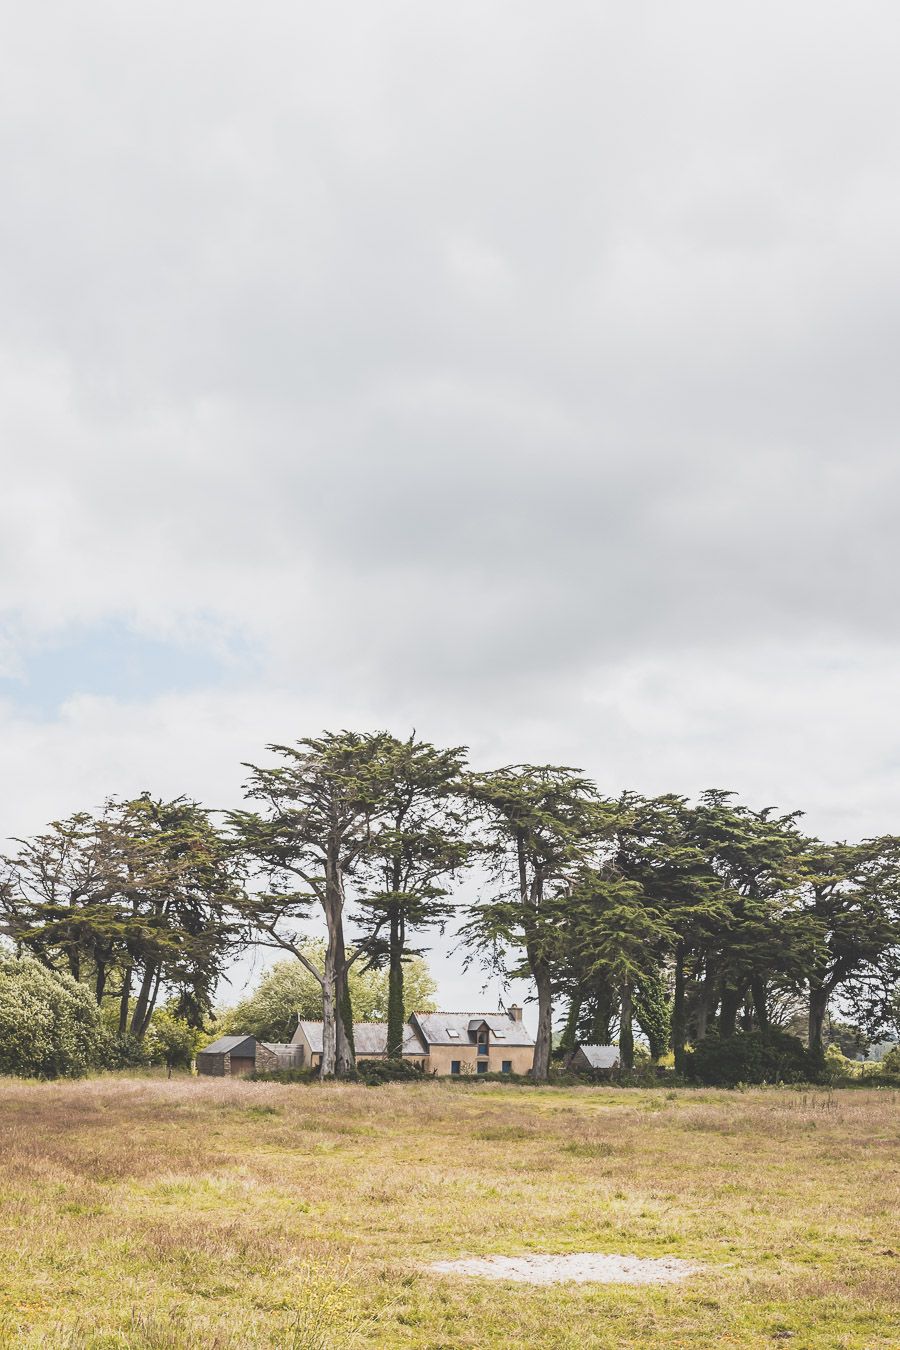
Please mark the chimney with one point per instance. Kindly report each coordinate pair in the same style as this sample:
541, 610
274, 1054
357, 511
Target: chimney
515, 1012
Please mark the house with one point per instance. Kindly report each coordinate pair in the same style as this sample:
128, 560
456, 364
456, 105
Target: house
238, 1056
599, 1059
443, 1043
369, 1040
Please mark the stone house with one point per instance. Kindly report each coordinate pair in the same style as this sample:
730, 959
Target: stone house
443, 1043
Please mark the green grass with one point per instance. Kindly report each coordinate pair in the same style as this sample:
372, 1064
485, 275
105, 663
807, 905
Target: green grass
198, 1213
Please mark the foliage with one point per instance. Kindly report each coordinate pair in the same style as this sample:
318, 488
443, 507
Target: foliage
891, 1061
171, 1040
540, 826
288, 989
285, 1076
753, 1057
49, 1024
374, 1072
132, 903
415, 847
319, 804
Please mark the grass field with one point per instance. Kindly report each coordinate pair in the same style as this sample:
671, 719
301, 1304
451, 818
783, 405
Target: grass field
197, 1213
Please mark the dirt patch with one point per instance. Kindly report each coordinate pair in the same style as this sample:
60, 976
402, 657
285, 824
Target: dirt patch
580, 1268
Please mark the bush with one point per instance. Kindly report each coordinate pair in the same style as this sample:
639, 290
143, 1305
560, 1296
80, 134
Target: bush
753, 1057
49, 1025
890, 1065
285, 1076
374, 1072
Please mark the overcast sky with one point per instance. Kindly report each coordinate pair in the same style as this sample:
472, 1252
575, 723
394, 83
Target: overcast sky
526, 374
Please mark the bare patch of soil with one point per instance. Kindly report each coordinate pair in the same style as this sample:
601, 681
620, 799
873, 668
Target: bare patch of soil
579, 1268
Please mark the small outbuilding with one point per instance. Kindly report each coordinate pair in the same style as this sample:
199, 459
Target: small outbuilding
236, 1057
597, 1059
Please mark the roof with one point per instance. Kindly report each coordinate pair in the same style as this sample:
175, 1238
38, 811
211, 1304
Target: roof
601, 1056
313, 1034
453, 1028
279, 1047
369, 1038
228, 1044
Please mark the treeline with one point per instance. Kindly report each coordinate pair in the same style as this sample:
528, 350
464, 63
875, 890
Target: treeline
686, 919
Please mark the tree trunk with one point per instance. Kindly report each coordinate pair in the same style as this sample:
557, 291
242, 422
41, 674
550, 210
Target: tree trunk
708, 999
570, 1031
395, 1018
541, 1066
150, 1005
338, 1059
329, 1020
100, 983
626, 1032
679, 1019
151, 973
605, 1001
125, 999
818, 1007
731, 1002
758, 990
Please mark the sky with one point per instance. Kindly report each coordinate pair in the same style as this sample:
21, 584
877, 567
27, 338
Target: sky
521, 374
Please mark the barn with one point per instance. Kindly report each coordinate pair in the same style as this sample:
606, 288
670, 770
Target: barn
236, 1057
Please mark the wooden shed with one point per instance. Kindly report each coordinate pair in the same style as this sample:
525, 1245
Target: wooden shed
236, 1057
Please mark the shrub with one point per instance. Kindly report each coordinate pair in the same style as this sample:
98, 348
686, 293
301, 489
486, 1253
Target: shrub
49, 1024
374, 1072
890, 1065
285, 1076
753, 1057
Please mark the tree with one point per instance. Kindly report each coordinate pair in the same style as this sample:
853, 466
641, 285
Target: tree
49, 1023
541, 824
619, 936
320, 804
142, 895
418, 842
852, 897
182, 889
756, 856
289, 990
171, 1040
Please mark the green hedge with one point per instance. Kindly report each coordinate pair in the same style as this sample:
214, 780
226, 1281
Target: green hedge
49, 1025
753, 1057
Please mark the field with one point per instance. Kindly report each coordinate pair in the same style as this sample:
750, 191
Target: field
197, 1213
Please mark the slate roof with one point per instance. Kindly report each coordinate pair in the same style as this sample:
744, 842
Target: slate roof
369, 1038
228, 1044
436, 1028
601, 1056
279, 1047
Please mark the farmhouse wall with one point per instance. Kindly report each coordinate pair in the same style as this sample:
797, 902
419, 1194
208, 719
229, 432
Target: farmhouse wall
442, 1056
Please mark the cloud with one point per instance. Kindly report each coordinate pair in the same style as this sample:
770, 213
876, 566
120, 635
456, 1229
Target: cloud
526, 377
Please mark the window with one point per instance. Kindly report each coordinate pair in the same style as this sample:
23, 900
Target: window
454, 1066
482, 1066
482, 1039
506, 1066
451, 1031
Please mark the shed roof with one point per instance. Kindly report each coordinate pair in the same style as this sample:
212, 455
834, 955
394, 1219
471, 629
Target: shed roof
452, 1028
601, 1056
228, 1044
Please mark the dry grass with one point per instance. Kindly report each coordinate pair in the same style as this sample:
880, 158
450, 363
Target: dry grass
159, 1215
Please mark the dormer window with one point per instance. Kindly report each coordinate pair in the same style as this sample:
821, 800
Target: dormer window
482, 1042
